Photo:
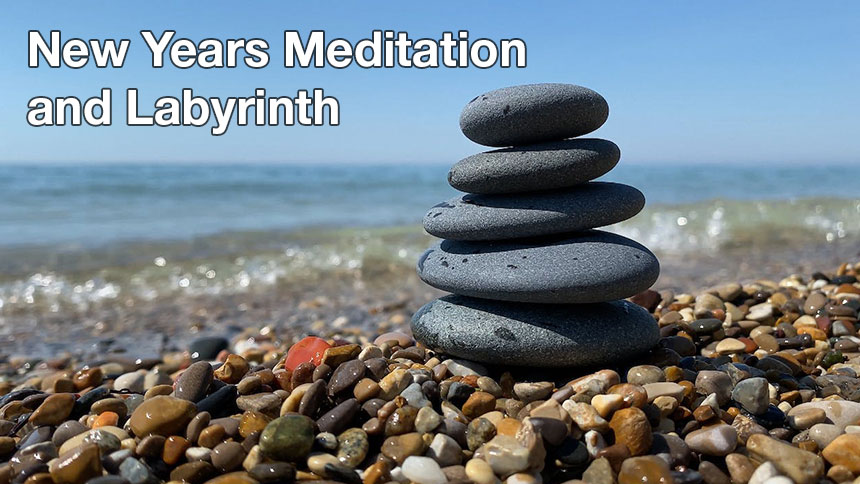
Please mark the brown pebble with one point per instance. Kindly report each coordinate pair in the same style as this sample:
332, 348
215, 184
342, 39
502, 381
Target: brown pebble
211, 436
150, 446
252, 422
196, 425
233, 478
648, 469
283, 380
88, 378
174, 449
54, 410
158, 390
336, 355
114, 405
77, 466
40, 478
844, 451
162, 415
230, 424
249, 385
193, 472
304, 373
232, 370
712, 474
373, 426
401, 421
838, 474
631, 428
703, 413
478, 404
365, 389
377, 473
228, 456
740, 468
632, 395
313, 399
615, 454
400, 447
7, 446
322, 372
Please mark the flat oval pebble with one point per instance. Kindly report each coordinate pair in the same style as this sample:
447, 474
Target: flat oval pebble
543, 166
533, 113
161, 415
535, 335
840, 412
587, 267
494, 217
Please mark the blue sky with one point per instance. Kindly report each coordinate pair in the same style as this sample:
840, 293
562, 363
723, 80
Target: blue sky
687, 82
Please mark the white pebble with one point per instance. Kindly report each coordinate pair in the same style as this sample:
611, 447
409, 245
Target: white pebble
197, 453
711, 401
132, 381
423, 470
524, 478
445, 450
779, 480
397, 475
594, 443
772, 392
465, 368
763, 473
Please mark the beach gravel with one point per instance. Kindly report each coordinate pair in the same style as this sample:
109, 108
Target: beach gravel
660, 403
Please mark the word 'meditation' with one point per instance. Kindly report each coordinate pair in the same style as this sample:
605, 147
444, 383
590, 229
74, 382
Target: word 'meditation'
383, 49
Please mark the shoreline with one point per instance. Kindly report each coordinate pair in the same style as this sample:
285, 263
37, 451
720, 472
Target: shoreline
115, 308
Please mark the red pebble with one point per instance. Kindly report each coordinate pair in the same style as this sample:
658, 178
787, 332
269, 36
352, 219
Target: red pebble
308, 349
751, 345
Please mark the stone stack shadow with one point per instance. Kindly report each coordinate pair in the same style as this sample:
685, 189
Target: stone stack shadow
533, 283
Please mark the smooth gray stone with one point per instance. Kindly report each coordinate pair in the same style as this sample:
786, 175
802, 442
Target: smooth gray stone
533, 113
540, 335
543, 166
495, 217
585, 267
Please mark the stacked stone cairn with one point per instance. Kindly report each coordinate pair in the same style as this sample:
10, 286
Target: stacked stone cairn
533, 283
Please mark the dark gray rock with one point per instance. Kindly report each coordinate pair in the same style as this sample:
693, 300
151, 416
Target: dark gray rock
542, 166
533, 113
586, 267
193, 383
539, 335
495, 217
207, 347
752, 394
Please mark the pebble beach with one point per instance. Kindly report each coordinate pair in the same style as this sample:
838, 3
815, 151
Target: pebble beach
749, 383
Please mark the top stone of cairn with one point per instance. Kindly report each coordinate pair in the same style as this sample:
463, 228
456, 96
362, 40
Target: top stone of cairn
533, 113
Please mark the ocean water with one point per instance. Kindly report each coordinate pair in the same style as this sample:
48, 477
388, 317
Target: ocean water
74, 236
